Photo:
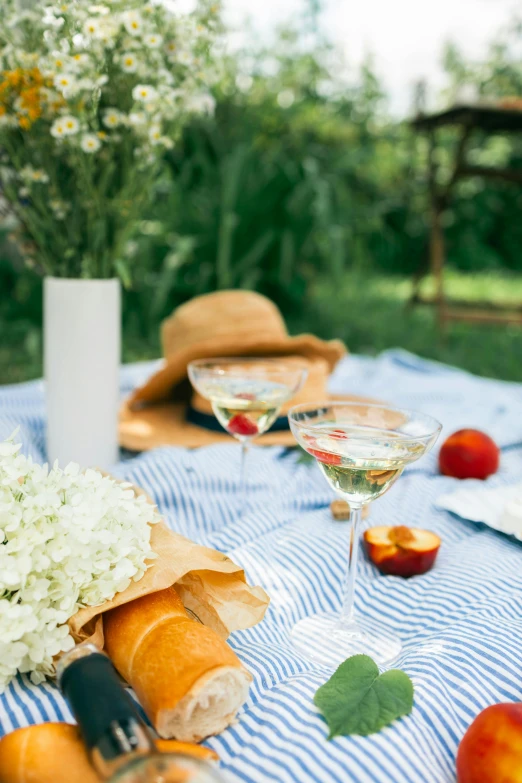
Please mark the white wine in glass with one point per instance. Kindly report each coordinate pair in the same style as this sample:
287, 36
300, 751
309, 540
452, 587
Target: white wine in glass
361, 450
246, 395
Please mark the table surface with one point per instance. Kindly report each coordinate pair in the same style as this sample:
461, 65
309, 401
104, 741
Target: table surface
487, 118
461, 623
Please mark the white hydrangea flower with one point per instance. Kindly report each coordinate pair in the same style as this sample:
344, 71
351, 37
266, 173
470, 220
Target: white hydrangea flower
67, 539
144, 93
90, 143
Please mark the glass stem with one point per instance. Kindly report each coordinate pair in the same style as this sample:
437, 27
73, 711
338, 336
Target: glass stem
347, 615
243, 494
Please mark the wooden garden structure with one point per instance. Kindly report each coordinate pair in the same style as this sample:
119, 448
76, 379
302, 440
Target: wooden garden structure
466, 120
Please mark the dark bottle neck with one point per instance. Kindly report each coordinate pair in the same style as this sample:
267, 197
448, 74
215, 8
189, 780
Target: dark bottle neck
111, 727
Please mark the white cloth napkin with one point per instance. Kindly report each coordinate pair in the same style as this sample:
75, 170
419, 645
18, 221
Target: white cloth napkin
498, 507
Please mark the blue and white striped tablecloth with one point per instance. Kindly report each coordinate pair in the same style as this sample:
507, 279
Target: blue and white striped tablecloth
461, 624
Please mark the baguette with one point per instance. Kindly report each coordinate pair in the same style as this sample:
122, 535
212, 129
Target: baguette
54, 753
189, 681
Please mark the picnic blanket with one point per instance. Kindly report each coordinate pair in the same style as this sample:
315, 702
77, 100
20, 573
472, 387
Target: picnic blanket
461, 624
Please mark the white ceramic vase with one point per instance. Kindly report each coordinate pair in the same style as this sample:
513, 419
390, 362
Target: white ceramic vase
82, 347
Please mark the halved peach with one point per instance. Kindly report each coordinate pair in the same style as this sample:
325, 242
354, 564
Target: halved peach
401, 550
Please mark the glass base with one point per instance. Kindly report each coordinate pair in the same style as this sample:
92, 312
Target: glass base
324, 640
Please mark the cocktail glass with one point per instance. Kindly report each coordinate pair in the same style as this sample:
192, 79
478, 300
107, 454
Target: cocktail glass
246, 396
361, 450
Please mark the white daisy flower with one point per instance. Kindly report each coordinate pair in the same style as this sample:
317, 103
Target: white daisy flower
102, 10
155, 134
109, 28
54, 21
129, 62
71, 125
112, 118
154, 41
34, 175
184, 57
144, 93
8, 122
133, 22
58, 129
64, 81
137, 119
165, 76
80, 59
90, 143
59, 62
40, 176
92, 27
85, 84
59, 208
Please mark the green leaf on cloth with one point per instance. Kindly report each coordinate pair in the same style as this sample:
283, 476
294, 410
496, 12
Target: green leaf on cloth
358, 700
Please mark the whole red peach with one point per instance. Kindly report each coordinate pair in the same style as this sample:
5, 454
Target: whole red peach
491, 749
469, 454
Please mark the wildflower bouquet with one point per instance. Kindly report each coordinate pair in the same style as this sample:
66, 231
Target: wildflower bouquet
67, 540
90, 97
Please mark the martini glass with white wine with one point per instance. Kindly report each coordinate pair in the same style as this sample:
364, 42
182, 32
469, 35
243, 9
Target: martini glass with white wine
247, 395
361, 450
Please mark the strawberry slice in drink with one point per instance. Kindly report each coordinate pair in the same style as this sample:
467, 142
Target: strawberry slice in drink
245, 396
338, 435
326, 457
242, 425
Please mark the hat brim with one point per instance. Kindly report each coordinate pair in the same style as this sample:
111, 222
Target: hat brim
165, 424
159, 386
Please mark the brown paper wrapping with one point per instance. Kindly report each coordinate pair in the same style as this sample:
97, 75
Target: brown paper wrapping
209, 583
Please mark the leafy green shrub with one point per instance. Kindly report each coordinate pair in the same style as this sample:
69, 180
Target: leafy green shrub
300, 178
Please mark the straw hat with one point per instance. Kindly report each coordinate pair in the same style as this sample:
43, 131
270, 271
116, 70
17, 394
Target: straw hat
167, 411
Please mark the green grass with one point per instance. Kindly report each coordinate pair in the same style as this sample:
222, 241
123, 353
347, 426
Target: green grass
369, 313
